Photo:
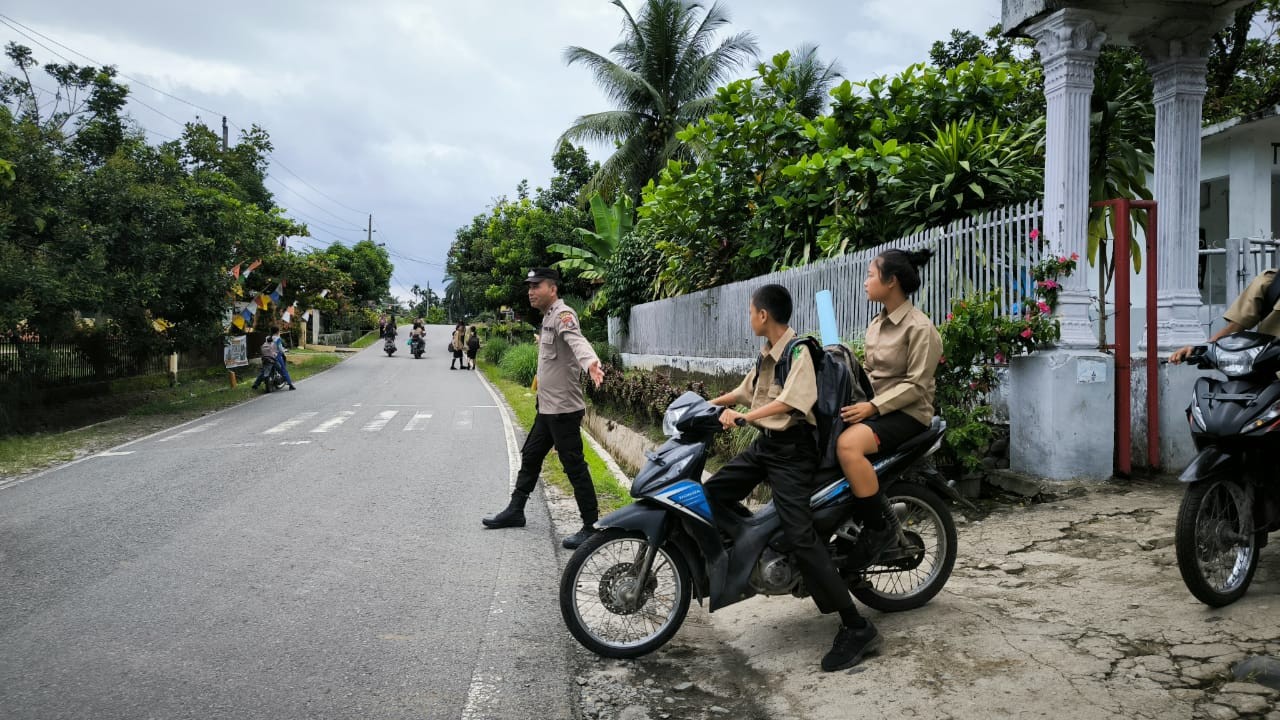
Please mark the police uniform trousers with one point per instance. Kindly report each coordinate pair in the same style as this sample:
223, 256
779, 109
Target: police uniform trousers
786, 460
563, 431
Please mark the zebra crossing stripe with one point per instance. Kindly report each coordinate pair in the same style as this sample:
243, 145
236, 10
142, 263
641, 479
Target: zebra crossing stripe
333, 422
381, 421
290, 424
417, 418
190, 431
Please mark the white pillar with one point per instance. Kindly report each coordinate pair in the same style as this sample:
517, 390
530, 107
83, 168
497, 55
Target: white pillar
1068, 42
1178, 71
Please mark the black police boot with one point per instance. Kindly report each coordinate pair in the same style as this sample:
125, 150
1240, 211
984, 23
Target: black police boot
573, 541
850, 646
511, 516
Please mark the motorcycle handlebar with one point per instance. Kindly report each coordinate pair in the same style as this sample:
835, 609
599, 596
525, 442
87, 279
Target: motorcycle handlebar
740, 422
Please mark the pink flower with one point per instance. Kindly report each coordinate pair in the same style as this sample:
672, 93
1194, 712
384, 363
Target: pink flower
1044, 307
951, 316
973, 386
1000, 357
1063, 259
1052, 284
942, 360
1075, 256
1027, 333
1035, 234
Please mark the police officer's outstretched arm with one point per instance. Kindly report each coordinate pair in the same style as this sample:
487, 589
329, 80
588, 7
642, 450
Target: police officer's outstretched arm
568, 330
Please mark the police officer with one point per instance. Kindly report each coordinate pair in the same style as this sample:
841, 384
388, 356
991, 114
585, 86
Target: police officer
563, 353
1247, 311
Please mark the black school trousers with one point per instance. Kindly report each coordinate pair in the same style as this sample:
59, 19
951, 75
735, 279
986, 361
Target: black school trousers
787, 462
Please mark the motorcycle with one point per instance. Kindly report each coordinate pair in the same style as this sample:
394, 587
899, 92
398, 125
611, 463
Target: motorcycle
272, 378
1232, 500
389, 347
417, 346
626, 590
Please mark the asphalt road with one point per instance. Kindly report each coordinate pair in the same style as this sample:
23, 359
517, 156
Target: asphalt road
309, 554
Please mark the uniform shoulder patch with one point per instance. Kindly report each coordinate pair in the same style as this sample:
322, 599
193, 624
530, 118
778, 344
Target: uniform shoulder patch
795, 351
567, 320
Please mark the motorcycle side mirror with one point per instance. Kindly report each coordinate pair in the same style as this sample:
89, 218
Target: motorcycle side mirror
1199, 356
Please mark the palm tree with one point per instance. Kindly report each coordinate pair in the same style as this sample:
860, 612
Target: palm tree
662, 78
811, 80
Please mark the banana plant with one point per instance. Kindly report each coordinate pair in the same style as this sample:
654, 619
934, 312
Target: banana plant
613, 222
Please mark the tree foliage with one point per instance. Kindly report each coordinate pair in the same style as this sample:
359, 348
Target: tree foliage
101, 230
660, 78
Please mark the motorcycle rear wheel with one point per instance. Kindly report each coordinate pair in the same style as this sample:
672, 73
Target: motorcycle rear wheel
910, 582
1217, 545
599, 616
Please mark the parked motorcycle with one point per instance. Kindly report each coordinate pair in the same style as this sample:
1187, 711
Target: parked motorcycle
626, 590
1233, 496
417, 346
389, 347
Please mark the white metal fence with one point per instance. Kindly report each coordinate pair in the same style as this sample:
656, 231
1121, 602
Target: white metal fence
993, 251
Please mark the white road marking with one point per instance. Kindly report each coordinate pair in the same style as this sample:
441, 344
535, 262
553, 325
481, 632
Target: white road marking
333, 422
381, 421
290, 424
114, 454
417, 418
482, 693
296, 442
463, 420
190, 431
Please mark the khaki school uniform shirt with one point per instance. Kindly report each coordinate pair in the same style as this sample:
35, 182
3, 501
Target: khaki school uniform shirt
902, 353
800, 390
1247, 311
563, 354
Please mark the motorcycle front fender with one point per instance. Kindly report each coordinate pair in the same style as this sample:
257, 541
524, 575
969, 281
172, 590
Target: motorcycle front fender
1210, 463
640, 516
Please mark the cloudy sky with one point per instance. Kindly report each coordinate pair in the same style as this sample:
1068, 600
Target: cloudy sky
420, 112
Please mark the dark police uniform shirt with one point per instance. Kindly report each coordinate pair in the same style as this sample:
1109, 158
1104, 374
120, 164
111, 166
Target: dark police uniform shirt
563, 354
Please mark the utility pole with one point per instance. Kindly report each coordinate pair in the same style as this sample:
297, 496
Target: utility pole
224, 133
370, 227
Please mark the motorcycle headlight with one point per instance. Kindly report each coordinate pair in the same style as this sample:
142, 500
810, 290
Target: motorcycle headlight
669, 421
1238, 362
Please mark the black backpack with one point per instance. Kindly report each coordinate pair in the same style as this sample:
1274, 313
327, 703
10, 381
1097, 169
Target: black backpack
473, 343
841, 381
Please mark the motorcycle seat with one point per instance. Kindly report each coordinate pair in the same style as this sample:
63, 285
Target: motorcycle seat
826, 476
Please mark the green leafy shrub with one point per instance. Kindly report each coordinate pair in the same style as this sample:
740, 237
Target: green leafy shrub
520, 363
641, 394
608, 354
493, 350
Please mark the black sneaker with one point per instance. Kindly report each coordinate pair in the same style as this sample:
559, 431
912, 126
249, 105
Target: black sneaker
850, 645
573, 541
871, 542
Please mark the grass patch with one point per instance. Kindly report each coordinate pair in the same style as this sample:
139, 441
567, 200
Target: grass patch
210, 393
365, 340
610, 493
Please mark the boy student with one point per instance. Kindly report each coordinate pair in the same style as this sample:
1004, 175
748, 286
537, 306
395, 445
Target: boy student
786, 456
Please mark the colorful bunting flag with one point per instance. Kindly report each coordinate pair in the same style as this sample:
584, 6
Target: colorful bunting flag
235, 271
263, 301
252, 266
238, 321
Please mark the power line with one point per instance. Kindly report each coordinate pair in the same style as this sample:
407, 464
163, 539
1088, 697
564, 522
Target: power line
15, 25
7, 20
303, 217
304, 198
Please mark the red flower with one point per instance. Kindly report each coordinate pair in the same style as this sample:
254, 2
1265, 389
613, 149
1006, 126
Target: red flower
951, 316
1027, 333
1075, 256
1035, 234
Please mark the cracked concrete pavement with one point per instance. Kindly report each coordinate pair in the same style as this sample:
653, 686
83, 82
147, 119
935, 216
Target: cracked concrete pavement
1071, 608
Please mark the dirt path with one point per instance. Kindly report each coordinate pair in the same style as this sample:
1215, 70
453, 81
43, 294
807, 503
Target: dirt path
1068, 609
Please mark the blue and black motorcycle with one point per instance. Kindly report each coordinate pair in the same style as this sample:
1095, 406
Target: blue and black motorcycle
626, 591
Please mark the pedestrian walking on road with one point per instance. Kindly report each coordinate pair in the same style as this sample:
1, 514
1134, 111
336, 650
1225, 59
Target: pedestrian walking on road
458, 346
563, 353
473, 346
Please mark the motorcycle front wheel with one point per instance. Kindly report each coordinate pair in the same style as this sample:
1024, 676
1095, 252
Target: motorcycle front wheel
602, 605
1216, 542
909, 575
